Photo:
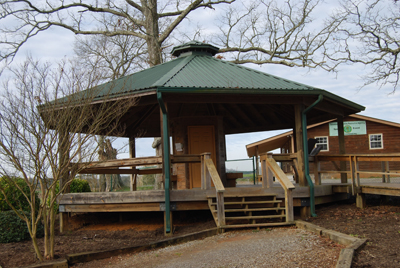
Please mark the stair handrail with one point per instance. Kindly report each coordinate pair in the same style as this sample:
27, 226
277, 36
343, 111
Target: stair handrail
208, 173
269, 164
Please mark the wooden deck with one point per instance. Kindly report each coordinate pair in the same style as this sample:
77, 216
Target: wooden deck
391, 189
193, 199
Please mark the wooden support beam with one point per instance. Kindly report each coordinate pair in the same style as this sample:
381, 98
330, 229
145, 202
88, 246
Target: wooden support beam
270, 175
299, 144
221, 209
289, 205
239, 111
385, 169
132, 154
342, 148
361, 201
264, 170
205, 176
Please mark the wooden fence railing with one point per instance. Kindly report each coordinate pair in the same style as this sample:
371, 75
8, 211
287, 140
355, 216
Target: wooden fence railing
354, 161
209, 173
269, 168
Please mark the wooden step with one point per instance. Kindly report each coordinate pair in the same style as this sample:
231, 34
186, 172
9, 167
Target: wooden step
257, 225
241, 195
250, 209
249, 202
254, 217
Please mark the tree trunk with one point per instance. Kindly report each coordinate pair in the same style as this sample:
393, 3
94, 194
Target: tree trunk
36, 247
102, 179
151, 25
52, 223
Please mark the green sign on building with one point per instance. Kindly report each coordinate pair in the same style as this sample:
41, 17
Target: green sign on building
350, 128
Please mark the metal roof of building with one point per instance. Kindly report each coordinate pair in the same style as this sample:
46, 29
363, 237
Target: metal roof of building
199, 70
195, 70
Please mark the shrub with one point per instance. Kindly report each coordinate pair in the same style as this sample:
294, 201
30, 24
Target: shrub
15, 196
77, 186
13, 229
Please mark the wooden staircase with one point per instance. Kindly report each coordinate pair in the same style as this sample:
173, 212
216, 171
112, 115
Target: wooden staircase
249, 211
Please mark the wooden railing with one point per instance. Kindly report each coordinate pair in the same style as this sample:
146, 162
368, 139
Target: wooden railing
209, 173
270, 168
354, 164
128, 166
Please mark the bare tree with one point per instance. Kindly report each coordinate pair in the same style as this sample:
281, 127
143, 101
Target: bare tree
42, 113
111, 56
276, 32
150, 20
369, 35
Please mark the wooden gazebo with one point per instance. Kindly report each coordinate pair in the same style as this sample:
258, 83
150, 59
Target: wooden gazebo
197, 99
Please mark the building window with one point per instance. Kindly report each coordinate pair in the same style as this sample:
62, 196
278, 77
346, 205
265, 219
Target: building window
375, 141
324, 142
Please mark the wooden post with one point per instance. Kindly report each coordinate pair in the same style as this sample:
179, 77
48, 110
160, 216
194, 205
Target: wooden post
385, 168
360, 201
270, 175
298, 109
132, 154
342, 149
257, 164
357, 168
317, 169
353, 174
221, 209
289, 205
305, 212
264, 170
205, 175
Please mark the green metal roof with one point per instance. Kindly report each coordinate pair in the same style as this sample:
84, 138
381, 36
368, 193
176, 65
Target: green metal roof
195, 70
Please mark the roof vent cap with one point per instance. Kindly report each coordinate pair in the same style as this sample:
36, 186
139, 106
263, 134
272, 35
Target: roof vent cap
196, 47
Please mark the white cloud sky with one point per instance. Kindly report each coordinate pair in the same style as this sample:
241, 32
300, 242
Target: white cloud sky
58, 43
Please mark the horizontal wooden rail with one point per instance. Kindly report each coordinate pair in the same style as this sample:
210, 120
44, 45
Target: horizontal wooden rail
354, 163
119, 166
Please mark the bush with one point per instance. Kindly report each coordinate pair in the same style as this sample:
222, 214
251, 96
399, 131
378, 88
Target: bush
13, 229
77, 186
15, 196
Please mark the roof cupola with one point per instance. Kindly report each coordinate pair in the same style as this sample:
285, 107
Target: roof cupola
194, 47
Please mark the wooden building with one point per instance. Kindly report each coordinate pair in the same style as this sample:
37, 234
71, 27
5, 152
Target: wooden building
195, 100
362, 135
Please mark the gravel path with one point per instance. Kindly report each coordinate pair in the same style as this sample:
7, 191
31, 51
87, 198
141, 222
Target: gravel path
278, 247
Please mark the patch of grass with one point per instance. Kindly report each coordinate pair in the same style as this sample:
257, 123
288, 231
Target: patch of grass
124, 189
144, 188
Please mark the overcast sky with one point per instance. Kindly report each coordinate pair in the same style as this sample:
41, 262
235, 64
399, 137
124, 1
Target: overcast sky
380, 103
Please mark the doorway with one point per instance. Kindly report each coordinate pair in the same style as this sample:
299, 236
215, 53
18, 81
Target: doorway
201, 139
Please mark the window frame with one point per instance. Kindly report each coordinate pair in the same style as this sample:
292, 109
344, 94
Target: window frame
369, 141
327, 142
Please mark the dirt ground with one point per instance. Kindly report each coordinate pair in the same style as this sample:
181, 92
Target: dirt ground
379, 223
